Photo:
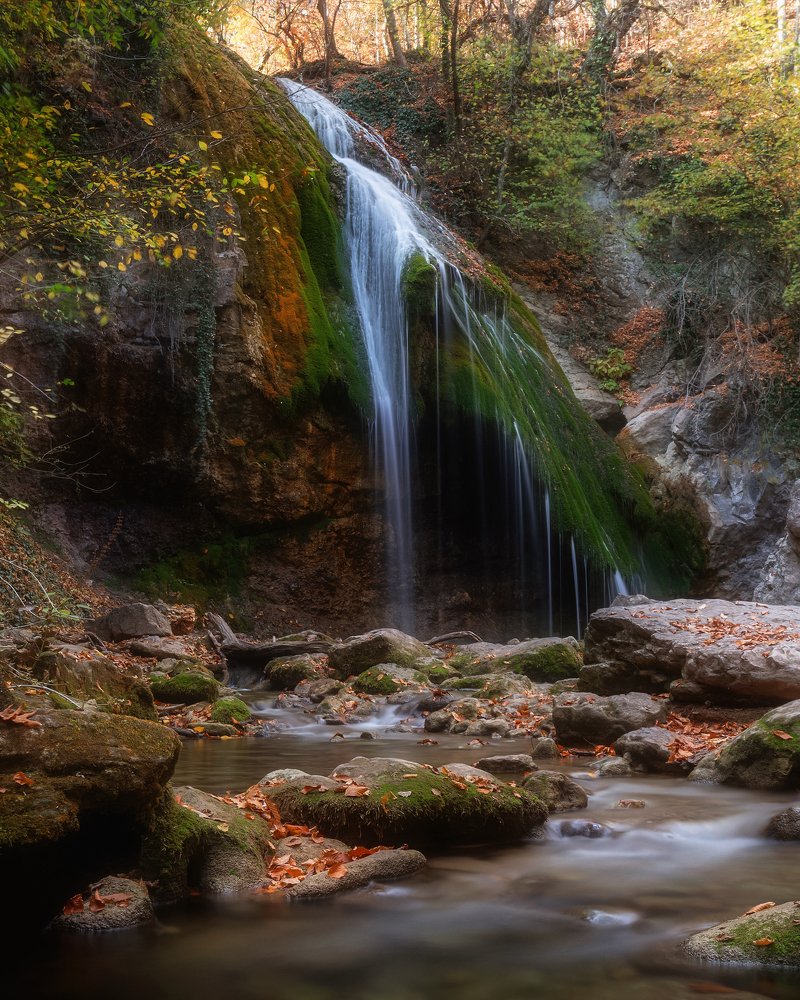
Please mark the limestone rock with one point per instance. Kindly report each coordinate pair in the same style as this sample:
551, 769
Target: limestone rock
649, 749
597, 720
384, 645
733, 941
132, 621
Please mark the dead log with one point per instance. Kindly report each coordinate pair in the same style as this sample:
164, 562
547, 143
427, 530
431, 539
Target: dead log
459, 638
237, 652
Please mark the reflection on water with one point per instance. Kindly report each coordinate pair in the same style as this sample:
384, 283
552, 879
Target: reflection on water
557, 917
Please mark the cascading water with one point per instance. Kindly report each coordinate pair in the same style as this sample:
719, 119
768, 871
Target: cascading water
496, 367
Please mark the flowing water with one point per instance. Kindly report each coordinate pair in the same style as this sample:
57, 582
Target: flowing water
386, 231
556, 917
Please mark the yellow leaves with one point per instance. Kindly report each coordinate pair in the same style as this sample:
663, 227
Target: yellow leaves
263, 182
215, 135
191, 253
86, 86
121, 267
177, 252
147, 118
202, 145
119, 241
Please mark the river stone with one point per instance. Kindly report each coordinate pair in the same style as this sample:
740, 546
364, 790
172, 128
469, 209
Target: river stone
160, 649
649, 749
285, 673
318, 690
757, 758
614, 767
785, 825
538, 659
385, 866
439, 722
217, 729
510, 763
732, 942
597, 720
197, 841
427, 808
84, 673
187, 688
544, 748
132, 621
468, 772
283, 774
113, 916
583, 828
483, 728
384, 645
558, 791
504, 685
388, 679
645, 648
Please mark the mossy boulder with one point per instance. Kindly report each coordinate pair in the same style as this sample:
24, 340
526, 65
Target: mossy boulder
195, 841
769, 938
765, 756
503, 686
419, 281
86, 674
552, 662
229, 710
80, 765
558, 791
438, 672
386, 679
184, 689
385, 645
427, 808
286, 673
135, 911
470, 683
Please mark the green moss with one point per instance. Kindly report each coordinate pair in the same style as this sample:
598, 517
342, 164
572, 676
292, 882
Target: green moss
375, 680
419, 281
473, 681
321, 233
286, 673
230, 710
462, 661
58, 701
438, 674
436, 811
550, 663
785, 949
170, 846
185, 689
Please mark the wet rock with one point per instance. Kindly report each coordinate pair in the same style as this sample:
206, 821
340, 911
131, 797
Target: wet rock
504, 685
468, 771
558, 791
649, 749
428, 807
387, 679
196, 841
217, 729
158, 649
84, 673
230, 710
734, 942
645, 648
283, 774
385, 866
434, 703
286, 673
385, 645
583, 828
614, 767
761, 757
318, 690
538, 659
598, 720
130, 622
784, 825
510, 763
184, 689
366, 735
544, 748
487, 728
116, 914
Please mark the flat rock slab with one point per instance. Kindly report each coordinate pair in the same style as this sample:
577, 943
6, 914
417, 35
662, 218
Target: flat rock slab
768, 938
132, 621
597, 720
722, 650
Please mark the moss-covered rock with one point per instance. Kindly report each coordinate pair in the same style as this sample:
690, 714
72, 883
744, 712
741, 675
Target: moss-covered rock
381, 646
426, 808
287, 672
184, 689
551, 662
438, 672
419, 281
558, 791
386, 679
230, 710
196, 841
770, 938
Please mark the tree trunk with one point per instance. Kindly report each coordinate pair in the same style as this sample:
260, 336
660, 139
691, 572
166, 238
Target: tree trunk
781, 22
329, 37
394, 37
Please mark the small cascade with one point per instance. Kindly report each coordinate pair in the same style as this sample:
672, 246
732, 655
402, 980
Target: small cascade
483, 359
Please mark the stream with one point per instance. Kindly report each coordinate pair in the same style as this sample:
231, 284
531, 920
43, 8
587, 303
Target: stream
555, 917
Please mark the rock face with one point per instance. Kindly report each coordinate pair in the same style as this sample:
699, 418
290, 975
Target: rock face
381, 646
779, 579
716, 649
765, 756
132, 621
406, 803
594, 719
735, 942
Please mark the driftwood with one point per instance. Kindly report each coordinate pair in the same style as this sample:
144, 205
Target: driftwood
455, 637
237, 652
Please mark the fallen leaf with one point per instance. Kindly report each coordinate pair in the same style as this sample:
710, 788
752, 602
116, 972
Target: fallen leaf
22, 779
764, 942
436, 792
758, 908
73, 905
223, 827
355, 791
121, 899
403, 795
338, 871
19, 717
96, 902
782, 735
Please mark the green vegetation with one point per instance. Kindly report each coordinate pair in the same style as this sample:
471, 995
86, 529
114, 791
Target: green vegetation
550, 663
285, 674
229, 710
184, 689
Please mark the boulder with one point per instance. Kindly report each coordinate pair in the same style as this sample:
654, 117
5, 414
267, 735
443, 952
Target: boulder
765, 756
740, 651
230, 710
131, 621
184, 689
384, 645
117, 904
385, 866
544, 748
318, 690
510, 763
784, 825
540, 660
583, 828
159, 649
86, 674
499, 686
593, 719
614, 767
195, 841
558, 791
387, 678
649, 749
768, 938
408, 803
287, 672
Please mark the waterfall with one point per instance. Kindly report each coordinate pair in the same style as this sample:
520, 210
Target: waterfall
480, 355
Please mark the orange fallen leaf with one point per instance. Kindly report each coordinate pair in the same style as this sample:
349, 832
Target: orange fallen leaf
96, 902
782, 735
764, 942
356, 791
338, 871
758, 908
22, 779
73, 905
19, 717
121, 899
